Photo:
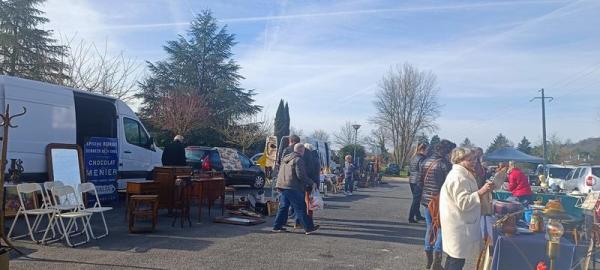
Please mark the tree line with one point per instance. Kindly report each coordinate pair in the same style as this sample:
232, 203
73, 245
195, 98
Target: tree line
194, 91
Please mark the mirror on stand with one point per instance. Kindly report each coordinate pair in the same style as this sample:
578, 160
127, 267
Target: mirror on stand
65, 164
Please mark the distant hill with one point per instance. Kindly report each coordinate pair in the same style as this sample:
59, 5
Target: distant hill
589, 145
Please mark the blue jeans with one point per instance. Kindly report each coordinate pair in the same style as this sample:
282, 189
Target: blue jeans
437, 246
295, 199
348, 184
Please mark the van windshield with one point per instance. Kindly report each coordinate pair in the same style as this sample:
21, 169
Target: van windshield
559, 172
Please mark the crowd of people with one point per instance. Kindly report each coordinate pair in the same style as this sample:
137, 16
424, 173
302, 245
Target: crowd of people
454, 187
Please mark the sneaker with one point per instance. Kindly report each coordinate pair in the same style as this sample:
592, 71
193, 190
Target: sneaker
279, 230
316, 228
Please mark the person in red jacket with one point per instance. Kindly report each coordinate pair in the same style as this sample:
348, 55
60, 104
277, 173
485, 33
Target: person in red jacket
518, 184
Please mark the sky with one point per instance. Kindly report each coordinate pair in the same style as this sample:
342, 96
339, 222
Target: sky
326, 58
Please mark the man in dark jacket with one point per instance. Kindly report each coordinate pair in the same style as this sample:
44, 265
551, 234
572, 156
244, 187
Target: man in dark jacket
291, 182
311, 161
433, 172
174, 153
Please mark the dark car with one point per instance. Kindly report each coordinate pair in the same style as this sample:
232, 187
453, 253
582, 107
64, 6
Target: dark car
208, 158
392, 169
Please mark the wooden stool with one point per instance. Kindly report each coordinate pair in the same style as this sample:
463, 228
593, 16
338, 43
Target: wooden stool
138, 208
182, 197
229, 189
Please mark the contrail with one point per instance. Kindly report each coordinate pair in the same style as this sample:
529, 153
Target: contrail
341, 13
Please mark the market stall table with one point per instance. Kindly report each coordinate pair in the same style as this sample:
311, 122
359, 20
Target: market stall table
207, 188
525, 251
568, 202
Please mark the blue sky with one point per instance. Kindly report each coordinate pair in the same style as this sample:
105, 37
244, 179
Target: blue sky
326, 58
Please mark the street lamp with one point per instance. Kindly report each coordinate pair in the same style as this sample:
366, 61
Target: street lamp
356, 127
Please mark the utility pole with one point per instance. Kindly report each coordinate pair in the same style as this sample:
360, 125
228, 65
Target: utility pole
544, 147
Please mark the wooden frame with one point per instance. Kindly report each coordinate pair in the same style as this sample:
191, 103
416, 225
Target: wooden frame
52, 146
12, 203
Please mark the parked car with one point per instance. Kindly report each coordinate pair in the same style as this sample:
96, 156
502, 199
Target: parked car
256, 157
208, 158
556, 174
392, 169
584, 178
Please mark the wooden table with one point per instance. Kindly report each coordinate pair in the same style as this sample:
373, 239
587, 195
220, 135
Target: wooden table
208, 188
140, 188
134, 211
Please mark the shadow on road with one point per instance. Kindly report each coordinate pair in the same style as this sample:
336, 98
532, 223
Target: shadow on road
375, 230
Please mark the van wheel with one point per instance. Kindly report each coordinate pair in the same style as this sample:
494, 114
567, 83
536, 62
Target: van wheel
259, 182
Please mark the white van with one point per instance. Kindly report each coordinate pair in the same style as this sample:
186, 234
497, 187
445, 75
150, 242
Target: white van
58, 114
325, 157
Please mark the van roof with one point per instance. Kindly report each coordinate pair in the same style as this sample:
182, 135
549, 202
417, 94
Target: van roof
6, 78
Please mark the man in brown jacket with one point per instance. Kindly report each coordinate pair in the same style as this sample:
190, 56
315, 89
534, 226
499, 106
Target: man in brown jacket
291, 181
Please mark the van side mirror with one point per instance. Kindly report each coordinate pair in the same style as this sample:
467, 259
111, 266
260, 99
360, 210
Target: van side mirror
150, 142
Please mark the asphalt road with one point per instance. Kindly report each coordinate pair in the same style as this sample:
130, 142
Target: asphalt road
367, 230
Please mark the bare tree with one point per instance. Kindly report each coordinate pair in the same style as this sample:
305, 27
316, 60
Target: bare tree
345, 135
94, 69
320, 134
406, 104
296, 131
180, 112
377, 141
247, 131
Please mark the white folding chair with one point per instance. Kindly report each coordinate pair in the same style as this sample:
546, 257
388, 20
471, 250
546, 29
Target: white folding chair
90, 188
31, 189
63, 198
48, 189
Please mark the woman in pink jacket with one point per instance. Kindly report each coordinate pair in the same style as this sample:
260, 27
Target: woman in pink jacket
518, 184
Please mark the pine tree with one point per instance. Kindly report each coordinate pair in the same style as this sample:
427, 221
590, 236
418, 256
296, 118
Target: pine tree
201, 61
434, 141
286, 112
525, 146
280, 121
499, 142
467, 143
423, 138
27, 51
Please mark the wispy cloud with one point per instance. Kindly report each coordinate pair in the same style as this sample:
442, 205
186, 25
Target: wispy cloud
316, 15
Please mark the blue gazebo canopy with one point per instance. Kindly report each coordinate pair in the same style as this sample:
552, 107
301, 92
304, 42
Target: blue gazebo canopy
509, 153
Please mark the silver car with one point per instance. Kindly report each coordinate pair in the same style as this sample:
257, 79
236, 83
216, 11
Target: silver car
584, 178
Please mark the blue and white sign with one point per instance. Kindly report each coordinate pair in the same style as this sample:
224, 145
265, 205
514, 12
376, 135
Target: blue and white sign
101, 156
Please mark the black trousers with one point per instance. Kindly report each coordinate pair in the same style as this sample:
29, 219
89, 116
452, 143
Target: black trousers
417, 192
454, 263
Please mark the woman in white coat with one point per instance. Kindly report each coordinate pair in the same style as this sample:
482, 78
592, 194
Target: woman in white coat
460, 210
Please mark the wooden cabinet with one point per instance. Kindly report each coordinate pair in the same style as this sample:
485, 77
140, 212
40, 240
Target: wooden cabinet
165, 179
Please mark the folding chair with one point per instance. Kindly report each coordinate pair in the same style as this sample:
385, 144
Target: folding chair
48, 189
63, 198
31, 189
97, 208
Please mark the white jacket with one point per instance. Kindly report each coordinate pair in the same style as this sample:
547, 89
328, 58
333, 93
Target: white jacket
460, 214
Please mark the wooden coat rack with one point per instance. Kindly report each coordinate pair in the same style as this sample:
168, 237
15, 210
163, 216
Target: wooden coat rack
6, 124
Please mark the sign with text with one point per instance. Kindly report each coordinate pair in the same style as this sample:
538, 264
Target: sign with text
101, 156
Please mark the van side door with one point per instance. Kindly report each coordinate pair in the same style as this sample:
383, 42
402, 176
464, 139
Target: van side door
138, 155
